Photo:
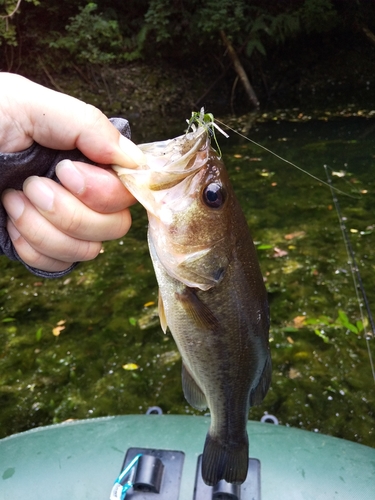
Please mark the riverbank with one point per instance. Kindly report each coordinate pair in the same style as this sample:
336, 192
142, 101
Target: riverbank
155, 95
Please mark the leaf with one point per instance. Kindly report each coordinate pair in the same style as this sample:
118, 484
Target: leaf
360, 326
133, 321
38, 334
130, 366
322, 335
344, 321
57, 330
7, 320
279, 252
352, 328
258, 25
321, 320
343, 318
299, 321
255, 44
295, 235
264, 246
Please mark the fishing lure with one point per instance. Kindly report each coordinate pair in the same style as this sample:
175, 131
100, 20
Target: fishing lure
207, 121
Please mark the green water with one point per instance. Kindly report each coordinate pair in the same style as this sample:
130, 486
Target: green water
322, 378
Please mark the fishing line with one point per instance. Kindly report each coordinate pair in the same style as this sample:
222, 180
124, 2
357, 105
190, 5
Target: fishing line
357, 279
358, 284
287, 161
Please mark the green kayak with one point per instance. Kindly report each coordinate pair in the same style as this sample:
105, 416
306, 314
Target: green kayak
80, 460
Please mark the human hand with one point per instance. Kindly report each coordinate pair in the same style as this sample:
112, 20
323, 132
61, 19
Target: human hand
52, 225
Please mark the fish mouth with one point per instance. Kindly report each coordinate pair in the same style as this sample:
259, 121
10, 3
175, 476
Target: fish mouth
175, 155
168, 163
174, 158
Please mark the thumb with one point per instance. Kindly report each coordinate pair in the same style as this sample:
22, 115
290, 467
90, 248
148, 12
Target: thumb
62, 122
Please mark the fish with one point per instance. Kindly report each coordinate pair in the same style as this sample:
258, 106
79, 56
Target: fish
212, 295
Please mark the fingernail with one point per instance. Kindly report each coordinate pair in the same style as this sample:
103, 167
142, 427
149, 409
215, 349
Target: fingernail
39, 193
70, 176
132, 152
13, 203
12, 231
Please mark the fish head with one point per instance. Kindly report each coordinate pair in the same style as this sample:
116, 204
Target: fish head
186, 192
189, 228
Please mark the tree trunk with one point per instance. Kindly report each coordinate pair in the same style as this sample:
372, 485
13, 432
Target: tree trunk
369, 33
240, 71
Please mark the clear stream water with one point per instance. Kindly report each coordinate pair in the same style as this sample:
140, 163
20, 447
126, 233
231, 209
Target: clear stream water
108, 354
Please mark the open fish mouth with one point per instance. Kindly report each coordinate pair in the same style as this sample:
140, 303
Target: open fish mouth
169, 161
167, 164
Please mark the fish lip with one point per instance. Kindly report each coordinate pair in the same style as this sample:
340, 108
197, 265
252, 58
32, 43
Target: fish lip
169, 156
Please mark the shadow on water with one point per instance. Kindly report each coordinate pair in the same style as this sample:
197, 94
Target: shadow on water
90, 344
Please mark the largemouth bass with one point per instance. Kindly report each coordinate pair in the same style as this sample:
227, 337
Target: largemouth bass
211, 291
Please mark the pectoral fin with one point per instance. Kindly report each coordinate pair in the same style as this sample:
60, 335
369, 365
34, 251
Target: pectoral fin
197, 310
202, 269
192, 392
162, 316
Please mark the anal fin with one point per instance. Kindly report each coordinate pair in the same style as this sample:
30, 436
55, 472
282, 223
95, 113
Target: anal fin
192, 392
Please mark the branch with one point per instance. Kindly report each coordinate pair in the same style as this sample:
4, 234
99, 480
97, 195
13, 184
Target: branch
49, 76
14, 10
240, 70
369, 33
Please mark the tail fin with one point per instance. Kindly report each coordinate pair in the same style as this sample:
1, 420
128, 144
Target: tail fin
227, 461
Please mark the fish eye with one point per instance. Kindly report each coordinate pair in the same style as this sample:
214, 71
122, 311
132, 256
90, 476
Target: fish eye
213, 195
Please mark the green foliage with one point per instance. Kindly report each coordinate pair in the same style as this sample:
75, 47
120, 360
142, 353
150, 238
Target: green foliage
319, 16
249, 26
228, 15
90, 38
38, 334
159, 18
8, 34
106, 31
342, 321
284, 26
133, 46
8, 31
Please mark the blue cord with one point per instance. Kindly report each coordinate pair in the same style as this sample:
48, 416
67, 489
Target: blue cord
119, 489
